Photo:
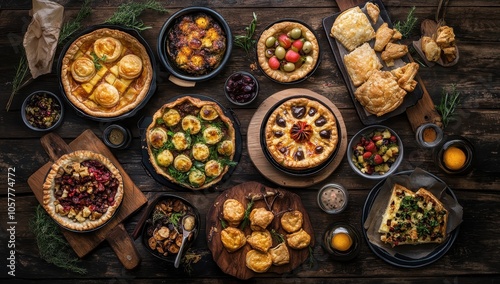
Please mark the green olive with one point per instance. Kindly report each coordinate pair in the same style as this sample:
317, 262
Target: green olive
295, 33
280, 52
269, 52
307, 47
270, 41
289, 67
309, 60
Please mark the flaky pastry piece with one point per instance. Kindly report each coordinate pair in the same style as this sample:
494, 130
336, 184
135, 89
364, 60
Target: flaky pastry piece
405, 76
260, 218
232, 239
373, 11
298, 240
280, 254
445, 36
393, 51
233, 212
352, 28
430, 49
258, 261
381, 93
292, 221
260, 240
382, 37
360, 63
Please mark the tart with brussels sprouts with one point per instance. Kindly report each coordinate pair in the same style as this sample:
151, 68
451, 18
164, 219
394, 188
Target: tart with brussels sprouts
287, 51
191, 142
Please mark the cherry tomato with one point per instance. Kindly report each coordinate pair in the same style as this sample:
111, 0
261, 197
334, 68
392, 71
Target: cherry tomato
367, 155
371, 147
393, 138
377, 137
297, 45
274, 63
284, 41
292, 56
378, 159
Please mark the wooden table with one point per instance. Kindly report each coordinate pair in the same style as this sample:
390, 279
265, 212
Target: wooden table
472, 258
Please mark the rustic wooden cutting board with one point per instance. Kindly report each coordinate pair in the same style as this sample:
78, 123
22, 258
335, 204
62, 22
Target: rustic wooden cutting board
113, 231
424, 111
271, 172
234, 263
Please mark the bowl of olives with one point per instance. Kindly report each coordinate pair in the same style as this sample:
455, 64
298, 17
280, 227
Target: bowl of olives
42, 111
241, 88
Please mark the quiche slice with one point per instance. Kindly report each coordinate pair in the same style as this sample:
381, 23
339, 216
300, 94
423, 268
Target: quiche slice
82, 190
413, 218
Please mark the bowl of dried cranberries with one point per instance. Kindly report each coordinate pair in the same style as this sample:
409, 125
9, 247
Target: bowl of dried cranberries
241, 88
42, 111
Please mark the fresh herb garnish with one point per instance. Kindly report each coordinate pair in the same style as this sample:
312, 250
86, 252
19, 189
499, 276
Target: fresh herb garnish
277, 237
246, 41
69, 28
246, 218
158, 215
128, 14
450, 99
174, 218
97, 61
223, 223
407, 26
177, 175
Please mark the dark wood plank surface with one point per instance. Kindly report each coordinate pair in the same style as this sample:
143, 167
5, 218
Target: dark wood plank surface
472, 258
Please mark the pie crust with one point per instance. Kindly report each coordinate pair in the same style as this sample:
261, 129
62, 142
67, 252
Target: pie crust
94, 178
301, 133
182, 134
300, 72
106, 56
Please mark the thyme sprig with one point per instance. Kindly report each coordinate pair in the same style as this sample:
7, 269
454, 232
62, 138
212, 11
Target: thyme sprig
52, 246
407, 26
450, 99
71, 27
246, 41
128, 14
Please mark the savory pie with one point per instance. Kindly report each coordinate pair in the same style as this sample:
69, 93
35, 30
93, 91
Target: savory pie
352, 28
191, 142
361, 63
196, 44
299, 56
413, 218
301, 133
106, 73
82, 190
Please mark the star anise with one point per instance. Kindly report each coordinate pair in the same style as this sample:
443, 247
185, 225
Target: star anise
301, 131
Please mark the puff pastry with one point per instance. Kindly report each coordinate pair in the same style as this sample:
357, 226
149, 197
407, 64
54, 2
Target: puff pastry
360, 63
108, 49
280, 254
373, 11
405, 76
298, 240
430, 48
83, 69
233, 239
260, 218
292, 221
381, 93
352, 28
258, 261
106, 95
382, 37
260, 240
130, 66
233, 212
393, 51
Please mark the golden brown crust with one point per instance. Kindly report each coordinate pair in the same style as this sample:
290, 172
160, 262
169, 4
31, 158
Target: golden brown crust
260, 218
298, 73
258, 261
301, 153
50, 202
280, 254
298, 240
233, 239
233, 212
292, 221
352, 28
191, 106
132, 88
361, 63
260, 240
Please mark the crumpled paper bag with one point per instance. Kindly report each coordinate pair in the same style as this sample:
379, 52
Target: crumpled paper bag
42, 35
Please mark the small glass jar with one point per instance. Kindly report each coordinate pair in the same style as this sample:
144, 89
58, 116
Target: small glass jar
333, 198
342, 241
464, 145
117, 137
429, 135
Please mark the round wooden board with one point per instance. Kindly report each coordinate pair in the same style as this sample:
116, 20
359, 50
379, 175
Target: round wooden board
234, 263
261, 162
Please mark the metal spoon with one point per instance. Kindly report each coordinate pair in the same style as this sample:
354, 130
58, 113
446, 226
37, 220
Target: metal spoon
187, 228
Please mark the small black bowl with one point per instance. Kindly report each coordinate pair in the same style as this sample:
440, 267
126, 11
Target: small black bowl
163, 39
229, 94
29, 105
461, 143
148, 224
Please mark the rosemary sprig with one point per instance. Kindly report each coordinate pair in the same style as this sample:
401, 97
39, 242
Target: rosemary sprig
246, 218
71, 27
52, 246
407, 26
277, 236
128, 13
246, 41
450, 99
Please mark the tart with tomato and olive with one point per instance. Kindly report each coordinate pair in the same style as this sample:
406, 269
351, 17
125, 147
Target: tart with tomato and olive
301, 133
82, 190
191, 142
287, 51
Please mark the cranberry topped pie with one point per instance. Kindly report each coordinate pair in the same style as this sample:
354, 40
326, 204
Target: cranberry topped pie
106, 73
82, 190
301, 133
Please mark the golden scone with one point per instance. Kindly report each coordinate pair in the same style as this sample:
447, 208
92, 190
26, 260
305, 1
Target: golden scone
260, 218
258, 261
298, 240
233, 212
292, 221
260, 240
280, 254
232, 239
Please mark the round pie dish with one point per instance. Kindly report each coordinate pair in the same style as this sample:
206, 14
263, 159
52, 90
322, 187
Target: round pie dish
162, 231
42, 111
241, 88
300, 136
386, 152
198, 59
107, 72
288, 51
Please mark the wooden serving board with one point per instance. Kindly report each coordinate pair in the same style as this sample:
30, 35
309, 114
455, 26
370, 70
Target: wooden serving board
113, 231
261, 162
234, 263
424, 111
